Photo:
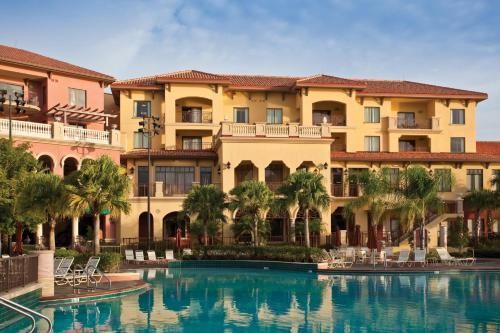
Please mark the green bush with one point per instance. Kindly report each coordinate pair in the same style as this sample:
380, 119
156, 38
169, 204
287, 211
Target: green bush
247, 252
110, 261
486, 252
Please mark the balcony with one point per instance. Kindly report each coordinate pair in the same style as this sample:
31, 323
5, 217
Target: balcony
162, 190
193, 146
341, 191
274, 131
395, 123
200, 117
58, 131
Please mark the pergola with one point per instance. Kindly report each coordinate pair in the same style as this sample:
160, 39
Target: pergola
80, 113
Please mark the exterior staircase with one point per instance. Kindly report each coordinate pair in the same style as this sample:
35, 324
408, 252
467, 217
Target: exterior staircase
432, 227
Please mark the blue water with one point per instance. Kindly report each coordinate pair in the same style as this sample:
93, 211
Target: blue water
221, 300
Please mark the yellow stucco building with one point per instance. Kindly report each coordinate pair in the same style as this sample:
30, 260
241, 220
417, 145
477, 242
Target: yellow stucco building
224, 129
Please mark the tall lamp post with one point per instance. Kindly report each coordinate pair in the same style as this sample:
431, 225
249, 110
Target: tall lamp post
18, 99
149, 127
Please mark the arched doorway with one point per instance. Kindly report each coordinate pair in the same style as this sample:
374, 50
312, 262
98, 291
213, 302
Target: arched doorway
172, 221
338, 220
278, 226
143, 227
47, 163
70, 166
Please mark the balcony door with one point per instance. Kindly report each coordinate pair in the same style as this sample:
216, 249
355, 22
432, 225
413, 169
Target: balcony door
319, 116
191, 143
191, 114
406, 120
407, 145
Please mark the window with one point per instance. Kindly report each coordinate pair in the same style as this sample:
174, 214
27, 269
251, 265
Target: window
191, 115
495, 180
240, 115
372, 143
274, 116
457, 145
444, 176
142, 109
177, 180
77, 97
406, 120
372, 114
458, 116
142, 181
11, 88
191, 143
474, 179
205, 175
337, 182
353, 175
321, 116
392, 177
407, 145
140, 140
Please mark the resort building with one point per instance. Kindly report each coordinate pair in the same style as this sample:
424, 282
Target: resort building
58, 109
225, 129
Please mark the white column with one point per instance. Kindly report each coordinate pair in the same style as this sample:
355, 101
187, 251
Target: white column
74, 228
46, 271
39, 233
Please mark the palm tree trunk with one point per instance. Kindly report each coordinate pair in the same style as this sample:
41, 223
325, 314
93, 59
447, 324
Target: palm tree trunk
97, 247
422, 232
19, 239
205, 233
306, 228
292, 231
256, 228
52, 234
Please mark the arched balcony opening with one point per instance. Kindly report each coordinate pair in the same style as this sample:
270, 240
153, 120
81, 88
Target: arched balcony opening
276, 173
246, 170
47, 163
70, 166
330, 112
307, 166
173, 221
193, 110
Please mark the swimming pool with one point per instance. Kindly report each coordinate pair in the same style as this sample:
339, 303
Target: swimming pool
238, 300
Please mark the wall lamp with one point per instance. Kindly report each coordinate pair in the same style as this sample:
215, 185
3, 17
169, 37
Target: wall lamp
131, 170
223, 166
323, 166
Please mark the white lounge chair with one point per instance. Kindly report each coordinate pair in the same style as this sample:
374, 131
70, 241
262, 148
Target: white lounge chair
80, 275
153, 258
139, 255
169, 255
382, 258
57, 263
419, 258
187, 252
63, 272
402, 260
339, 260
446, 258
129, 256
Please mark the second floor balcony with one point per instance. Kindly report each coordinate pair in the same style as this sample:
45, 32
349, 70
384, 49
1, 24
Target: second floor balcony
59, 132
412, 123
274, 130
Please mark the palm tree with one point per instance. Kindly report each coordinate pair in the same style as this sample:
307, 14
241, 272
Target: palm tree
46, 195
306, 190
208, 203
378, 195
420, 190
252, 199
480, 201
99, 186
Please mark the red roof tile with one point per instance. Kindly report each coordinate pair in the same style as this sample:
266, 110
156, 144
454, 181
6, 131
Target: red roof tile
26, 58
322, 80
414, 157
289, 83
488, 147
171, 154
192, 76
415, 89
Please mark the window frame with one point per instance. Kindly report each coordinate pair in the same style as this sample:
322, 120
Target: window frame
134, 111
369, 144
144, 142
471, 174
452, 122
452, 145
247, 114
70, 89
368, 115
444, 184
274, 111
192, 139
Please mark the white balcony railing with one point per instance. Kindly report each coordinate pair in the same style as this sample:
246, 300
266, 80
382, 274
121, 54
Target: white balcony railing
274, 130
26, 129
58, 131
86, 135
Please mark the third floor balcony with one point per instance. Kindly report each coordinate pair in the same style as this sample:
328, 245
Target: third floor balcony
274, 130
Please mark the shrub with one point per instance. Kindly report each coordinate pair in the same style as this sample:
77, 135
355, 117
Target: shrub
110, 261
246, 252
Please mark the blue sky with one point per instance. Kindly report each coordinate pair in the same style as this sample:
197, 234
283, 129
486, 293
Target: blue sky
454, 43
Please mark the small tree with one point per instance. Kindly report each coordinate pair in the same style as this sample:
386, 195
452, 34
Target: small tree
207, 202
252, 199
305, 190
100, 185
458, 235
479, 201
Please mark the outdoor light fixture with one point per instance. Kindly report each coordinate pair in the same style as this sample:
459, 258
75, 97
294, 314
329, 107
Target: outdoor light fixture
131, 170
322, 166
226, 165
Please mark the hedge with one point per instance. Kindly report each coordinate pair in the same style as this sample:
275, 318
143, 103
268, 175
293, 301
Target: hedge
248, 252
110, 262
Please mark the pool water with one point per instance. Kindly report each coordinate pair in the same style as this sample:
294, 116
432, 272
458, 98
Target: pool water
223, 300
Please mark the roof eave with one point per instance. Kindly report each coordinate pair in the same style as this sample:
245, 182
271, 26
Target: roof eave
479, 96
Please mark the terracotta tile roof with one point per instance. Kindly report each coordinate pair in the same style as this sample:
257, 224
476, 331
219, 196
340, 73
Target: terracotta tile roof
322, 80
488, 147
171, 154
21, 57
192, 76
412, 89
414, 157
382, 88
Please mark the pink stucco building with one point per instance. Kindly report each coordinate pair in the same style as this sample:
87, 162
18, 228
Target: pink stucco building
63, 119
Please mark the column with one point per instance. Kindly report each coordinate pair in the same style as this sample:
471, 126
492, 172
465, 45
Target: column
74, 229
39, 234
46, 271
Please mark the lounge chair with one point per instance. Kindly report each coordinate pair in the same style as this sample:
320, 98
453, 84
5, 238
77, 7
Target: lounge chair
337, 260
187, 252
419, 258
382, 258
62, 273
57, 263
446, 258
80, 275
152, 257
129, 256
169, 255
139, 255
402, 260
